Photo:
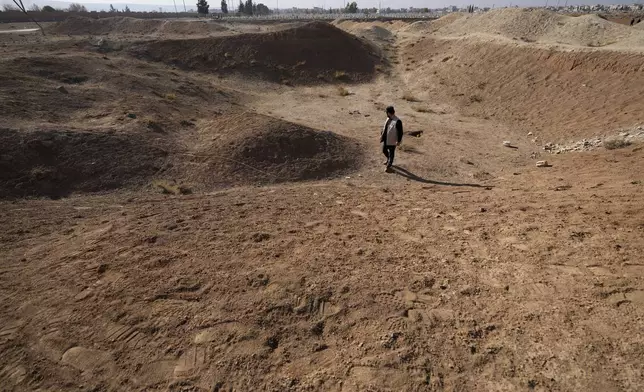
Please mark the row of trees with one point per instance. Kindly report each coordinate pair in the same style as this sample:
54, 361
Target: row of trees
244, 8
250, 8
73, 7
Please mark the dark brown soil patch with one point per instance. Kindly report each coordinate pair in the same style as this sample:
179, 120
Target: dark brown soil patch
55, 163
312, 53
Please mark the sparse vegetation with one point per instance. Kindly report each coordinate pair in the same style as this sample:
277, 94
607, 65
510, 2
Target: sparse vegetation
476, 98
421, 109
202, 7
76, 7
153, 125
170, 97
409, 149
410, 98
340, 75
616, 143
171, 188
343, 91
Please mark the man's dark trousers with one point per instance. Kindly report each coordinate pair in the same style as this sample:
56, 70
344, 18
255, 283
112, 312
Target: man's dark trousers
389, 152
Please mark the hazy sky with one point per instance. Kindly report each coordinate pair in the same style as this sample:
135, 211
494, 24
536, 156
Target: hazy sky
214, 4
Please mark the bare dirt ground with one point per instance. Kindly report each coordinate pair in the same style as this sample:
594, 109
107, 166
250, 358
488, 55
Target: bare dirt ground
174, 221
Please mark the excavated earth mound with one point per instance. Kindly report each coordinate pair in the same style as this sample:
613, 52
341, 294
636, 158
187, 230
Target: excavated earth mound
560, 94
543, 26
307, 54
55, 163
254, 148
77, 25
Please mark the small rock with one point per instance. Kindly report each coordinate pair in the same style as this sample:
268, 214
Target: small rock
131, 115
529, 133
483, 209
62, 89
259, 237
272, 342
542, 164
507, 143
319, 347
318, 328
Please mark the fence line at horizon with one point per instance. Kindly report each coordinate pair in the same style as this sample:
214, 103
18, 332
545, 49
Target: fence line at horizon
424, 15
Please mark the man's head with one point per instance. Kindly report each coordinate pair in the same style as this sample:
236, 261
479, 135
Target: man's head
390, 111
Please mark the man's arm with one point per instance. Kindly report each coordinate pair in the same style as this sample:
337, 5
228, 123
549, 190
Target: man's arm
399, 130
383, 134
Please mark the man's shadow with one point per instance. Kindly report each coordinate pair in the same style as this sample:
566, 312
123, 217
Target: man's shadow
407, 174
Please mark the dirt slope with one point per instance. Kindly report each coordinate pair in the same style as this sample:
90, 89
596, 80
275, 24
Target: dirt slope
132, 26
304, 55
559, 94
542, 26
55, 163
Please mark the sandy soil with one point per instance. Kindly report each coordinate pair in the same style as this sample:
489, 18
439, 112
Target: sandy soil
466, 269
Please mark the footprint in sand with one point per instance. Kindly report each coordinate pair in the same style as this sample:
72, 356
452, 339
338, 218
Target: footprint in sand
127, 335
192, 361
316, 306
87, 360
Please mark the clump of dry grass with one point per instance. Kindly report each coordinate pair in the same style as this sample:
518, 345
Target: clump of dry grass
410, 98
476, 98
170, 97
409, 149
153, 125
171, 188
421, 109
343, 91
615, 143
340, 75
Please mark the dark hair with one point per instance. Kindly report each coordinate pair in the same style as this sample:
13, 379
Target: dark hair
390, 109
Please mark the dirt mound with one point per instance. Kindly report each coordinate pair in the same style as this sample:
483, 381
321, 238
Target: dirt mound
308, 54
558, 94
178, 27
377, 33
590, 30
251, 148
510, 22
538, 25
433, 26
77, 25
55, 163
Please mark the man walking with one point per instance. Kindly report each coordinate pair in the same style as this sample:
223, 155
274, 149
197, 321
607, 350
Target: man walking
391, 136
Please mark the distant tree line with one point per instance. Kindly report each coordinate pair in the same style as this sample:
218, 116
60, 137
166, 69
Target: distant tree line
73, 7
250, 8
